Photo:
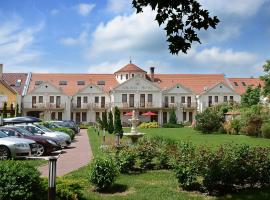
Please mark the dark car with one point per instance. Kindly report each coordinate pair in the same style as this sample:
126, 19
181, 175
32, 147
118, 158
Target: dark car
68, 124
45, 145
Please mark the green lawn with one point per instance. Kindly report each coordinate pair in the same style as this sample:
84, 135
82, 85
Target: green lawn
161, 185
188, 134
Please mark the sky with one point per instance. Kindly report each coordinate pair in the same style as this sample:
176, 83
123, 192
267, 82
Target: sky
101, 36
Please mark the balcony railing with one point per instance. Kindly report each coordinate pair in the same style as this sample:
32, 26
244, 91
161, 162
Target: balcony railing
30, 105
84, 106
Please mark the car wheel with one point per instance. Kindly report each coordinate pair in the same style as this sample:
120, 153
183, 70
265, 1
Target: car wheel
40, 150
4, 153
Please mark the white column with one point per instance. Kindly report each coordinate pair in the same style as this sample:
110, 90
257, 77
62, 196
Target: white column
160, 121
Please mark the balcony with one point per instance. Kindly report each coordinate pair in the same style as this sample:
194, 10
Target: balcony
44, 106
100, 106
82, 106
179, 105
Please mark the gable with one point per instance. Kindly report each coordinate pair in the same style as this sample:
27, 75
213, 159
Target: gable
178, 89
137, 84
46, 88
220, 88
90, 89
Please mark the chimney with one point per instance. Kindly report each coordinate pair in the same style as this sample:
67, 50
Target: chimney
152, 74
1, 70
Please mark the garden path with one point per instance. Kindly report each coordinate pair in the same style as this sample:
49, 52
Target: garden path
77, 155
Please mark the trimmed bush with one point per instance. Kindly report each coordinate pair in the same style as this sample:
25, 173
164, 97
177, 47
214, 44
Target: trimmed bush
103, 172
19, 181
149, 125
68, 189
266, 130
169, 125
126, 159
68, 131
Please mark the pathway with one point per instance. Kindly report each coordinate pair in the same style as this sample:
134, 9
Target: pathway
77, 155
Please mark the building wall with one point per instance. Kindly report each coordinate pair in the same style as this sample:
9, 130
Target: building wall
7, 96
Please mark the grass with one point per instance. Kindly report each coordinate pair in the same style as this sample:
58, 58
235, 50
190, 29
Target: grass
162, 184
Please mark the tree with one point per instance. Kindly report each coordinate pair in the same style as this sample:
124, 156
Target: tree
17, 110
104, 121
118, 129
11, 110
110, 123
172, 118
181, 19
5, 110
266, 79
251, 96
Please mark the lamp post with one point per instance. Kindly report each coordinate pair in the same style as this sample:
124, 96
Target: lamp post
52, 160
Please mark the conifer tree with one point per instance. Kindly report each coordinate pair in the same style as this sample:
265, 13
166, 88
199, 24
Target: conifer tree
5, 110
110, 123
173, 118
118, 129
11, 110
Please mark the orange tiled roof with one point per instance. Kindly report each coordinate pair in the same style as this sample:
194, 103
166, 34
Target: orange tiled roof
72, 88
238, 83
130, 68
195, 82
11, 79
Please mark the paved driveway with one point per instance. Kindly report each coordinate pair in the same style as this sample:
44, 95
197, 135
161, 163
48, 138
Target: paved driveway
77, 155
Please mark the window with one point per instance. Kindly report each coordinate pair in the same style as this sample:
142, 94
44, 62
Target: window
60, 116
71, 114
18, 83
183, 99
166, 103
38, 82
85, 100
150, 98
124, 98
216, 99
53, 116
101, 83
172, 99
40, 99
132, 75
51, 99
131, 100
231, 98
244, 84
121, 77
97, 116
225, 99
235, 83
184, 116
62, 82
80, 83
209, 101
96, 99
126, 76
142, 100
84, 116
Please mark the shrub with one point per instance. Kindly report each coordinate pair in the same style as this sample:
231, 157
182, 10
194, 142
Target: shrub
68, 189
146, 153
68, 131
103, 172
19, 180
209, 120
84, 126
253, 126
266, 130
126, 159
172, 117
149, 125
169, 125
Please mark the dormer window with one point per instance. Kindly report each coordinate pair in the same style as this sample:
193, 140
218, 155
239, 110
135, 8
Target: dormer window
101, 83
126, 76
132, 75
236, 84
18, 83
121, 77
244, 84
38, 82
62, 82
80, 83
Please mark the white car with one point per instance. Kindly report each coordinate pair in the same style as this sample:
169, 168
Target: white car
42, 130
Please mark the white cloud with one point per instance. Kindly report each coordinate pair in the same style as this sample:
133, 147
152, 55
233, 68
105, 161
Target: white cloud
134, 33
84, 8
233, 7
106, 67
218, 57
69, 41
119, 6
16, 41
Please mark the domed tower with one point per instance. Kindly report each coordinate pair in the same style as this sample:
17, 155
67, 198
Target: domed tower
129, 71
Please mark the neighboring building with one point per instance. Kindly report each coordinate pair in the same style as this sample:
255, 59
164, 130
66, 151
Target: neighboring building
83, 97
11, 88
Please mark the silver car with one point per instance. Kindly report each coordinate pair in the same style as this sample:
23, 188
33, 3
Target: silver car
12, 147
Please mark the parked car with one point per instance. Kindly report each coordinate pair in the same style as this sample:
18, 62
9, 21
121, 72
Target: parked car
68, 124
12, 147
45, 145
63, 138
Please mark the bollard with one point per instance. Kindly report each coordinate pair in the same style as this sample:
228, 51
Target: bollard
104, 136
52, 178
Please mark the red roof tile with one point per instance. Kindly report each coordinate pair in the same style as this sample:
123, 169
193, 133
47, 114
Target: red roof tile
130, 68
240, 84
11, 79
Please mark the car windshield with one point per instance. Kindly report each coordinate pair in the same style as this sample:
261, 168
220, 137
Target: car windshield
2, 134
43, 128
23, 131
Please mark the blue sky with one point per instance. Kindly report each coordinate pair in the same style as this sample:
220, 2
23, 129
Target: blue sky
100, 36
